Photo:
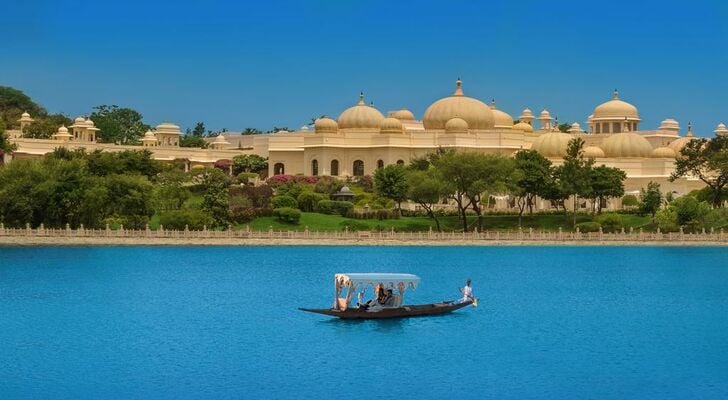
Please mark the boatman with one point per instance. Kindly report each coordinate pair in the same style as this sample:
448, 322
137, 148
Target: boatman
467, 292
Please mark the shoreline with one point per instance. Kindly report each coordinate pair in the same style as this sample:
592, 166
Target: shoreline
10, 241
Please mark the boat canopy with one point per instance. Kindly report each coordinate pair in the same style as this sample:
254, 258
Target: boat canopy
362, 280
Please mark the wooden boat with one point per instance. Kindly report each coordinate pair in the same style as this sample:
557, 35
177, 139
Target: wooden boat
419, 310
359, 282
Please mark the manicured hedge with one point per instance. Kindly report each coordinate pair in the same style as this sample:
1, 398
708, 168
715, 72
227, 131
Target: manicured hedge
284, 202
288, 214
335, 207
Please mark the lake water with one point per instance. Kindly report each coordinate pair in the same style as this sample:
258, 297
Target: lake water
221, 322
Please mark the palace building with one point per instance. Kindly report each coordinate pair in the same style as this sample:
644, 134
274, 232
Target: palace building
362, 139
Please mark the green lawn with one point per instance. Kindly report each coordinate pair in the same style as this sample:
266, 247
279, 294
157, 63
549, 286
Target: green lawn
322, 222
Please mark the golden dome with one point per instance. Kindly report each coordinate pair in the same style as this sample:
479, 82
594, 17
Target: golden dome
679, 143
522, 126
390, 125
360, 116
552, 144
326, 125
593, 152
575, 128
545, 114
526, 115
663, 152
403, 115
721, 130
63, 129
148, 135
476, 113
79, 120
615, 109
626, 144
502, 119
456, 125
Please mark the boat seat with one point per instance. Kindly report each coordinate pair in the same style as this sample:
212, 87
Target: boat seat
397, 301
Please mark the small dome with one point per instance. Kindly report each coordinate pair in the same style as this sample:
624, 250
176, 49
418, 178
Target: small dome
360, 116
63, 129
220, 140
721, 130
502, 119
89, 122
526, 114
593, 152
678, 144
663, 152
326, 125
616, 109
167, 125
149, 134
456, 125
545, 114
390, 125
523, 127
403, 115
575, 128
670, 125
79, 120
476, 113
552, 144
626, 144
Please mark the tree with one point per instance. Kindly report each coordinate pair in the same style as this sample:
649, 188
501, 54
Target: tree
606, 182
564, 127
13, 103
391, 182
535, 171
190, 140
45, 126
426, 189
199, 130
251, 131
650, 200
170, 191
249, 163
708, 161
458, 174
215, 200
555, 190
575, 173
5, 145
118, 125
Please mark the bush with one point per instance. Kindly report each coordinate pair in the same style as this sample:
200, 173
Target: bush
241, 210
284, 202
588, 226
335, 207
243, 177
666, 219
308, 201
177, 219
353, 225
610, 222
328, 185
288, 214
630, 200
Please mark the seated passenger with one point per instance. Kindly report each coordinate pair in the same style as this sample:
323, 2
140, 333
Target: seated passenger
388, 300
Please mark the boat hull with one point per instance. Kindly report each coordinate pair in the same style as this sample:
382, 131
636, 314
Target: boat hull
420, 310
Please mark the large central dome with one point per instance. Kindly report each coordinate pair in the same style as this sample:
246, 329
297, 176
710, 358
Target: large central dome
476, 113
360, 116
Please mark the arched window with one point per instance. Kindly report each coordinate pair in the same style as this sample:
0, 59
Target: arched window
279, 169
314, 167
400, 162
334, 167
358, 168
616, 127
380, 164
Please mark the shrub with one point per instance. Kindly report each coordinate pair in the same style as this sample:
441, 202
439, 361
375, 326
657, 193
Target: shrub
263, 212
353, 225
588, 226
666, 219
177, 219
328, 185
308, 201
243, 177
288, 214
630, 200
241, 210
279, 180
610, 222
284, 202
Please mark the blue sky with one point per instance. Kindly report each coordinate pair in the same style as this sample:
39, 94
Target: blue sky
259, 64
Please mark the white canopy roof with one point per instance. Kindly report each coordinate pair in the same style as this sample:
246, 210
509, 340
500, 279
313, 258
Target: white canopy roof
366, 279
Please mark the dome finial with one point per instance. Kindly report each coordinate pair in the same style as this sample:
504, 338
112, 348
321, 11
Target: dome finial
690, 129
492, 103
361, 98
458, 88
616, 94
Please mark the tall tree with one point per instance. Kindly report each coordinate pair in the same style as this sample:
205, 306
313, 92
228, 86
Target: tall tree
118, 125
13, 103
251, 131
535, 173
606, 182
44, 127
249, 163
199, 129
215, 200
426, 189
575, 172
459, 175
650, 200
391, 182
5, 145
708, 161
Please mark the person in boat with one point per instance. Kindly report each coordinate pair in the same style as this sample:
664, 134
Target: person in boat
388, 300
467, 292
378, 301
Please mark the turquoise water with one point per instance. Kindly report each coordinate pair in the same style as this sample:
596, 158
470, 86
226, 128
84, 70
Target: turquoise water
219, 323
